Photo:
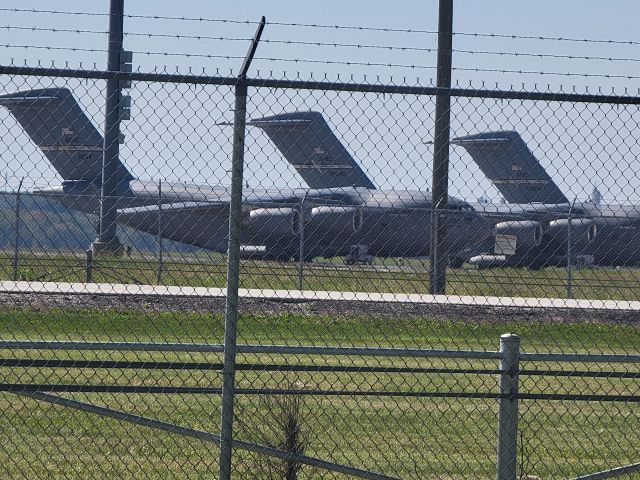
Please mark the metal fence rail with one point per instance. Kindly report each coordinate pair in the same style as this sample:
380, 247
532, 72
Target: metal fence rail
507, 395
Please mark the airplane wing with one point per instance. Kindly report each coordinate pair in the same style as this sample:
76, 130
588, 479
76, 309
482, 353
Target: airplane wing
203, 224
173, 208
219, 206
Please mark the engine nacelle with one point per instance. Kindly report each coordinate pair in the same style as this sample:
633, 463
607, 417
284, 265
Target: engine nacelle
270, 225
488, 261
583, 231
527, 233
335, 223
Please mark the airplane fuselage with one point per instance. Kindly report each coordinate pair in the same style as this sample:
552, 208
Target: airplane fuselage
616, 230
390, 222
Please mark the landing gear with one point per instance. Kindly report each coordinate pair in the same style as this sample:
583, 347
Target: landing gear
359, 255
307, 258
456, 262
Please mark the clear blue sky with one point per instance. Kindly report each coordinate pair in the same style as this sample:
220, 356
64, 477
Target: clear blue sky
578, 146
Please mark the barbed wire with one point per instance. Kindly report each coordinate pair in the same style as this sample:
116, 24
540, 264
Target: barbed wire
137, 34
216, 20
52, 29
341, 62
50, 47
327, 44
51, 12
330, 44
126, 15
227, 57
463, 69
545, 73
547, 38
327, 26
137, 52
472, 52
548, 55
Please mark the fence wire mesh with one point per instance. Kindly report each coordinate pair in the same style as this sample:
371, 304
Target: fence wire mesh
112, 364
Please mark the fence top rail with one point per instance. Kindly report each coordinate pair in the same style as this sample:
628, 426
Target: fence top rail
313, 350
580, 357
126, 289
246, 349
352, 86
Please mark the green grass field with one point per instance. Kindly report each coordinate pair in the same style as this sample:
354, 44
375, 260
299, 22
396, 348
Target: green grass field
402, 436
410, 276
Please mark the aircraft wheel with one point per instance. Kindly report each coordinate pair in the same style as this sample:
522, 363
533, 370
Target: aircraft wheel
534, 266
456, 262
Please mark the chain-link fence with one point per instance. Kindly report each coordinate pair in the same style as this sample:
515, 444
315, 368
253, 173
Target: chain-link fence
267, 302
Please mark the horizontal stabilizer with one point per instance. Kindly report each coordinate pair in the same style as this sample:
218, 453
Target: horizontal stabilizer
310, 146
58, 126
507, 161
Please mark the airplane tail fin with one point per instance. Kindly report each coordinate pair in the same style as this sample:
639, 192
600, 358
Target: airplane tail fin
307, 142
507, 161
56, 123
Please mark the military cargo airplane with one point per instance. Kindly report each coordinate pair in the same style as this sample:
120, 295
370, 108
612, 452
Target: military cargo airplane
535, 234
530, 235
535, 216
348, 211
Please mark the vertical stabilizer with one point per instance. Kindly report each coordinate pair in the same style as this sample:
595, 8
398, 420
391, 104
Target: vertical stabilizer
507, 161
307, 142
56, 123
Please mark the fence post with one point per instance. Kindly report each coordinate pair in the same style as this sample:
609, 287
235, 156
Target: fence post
508, 407
89, 265
570, 252
435, 254
440, 190
233, 262
301, 244
16, 239
160, 258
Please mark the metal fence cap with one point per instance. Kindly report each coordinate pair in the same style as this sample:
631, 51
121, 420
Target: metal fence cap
509, 337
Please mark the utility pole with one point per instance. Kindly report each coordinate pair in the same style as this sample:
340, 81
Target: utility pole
107, 241
440, 185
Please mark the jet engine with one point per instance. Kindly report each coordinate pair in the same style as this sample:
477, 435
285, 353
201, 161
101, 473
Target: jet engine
527, 233
583, 231
271, 225
333, 222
